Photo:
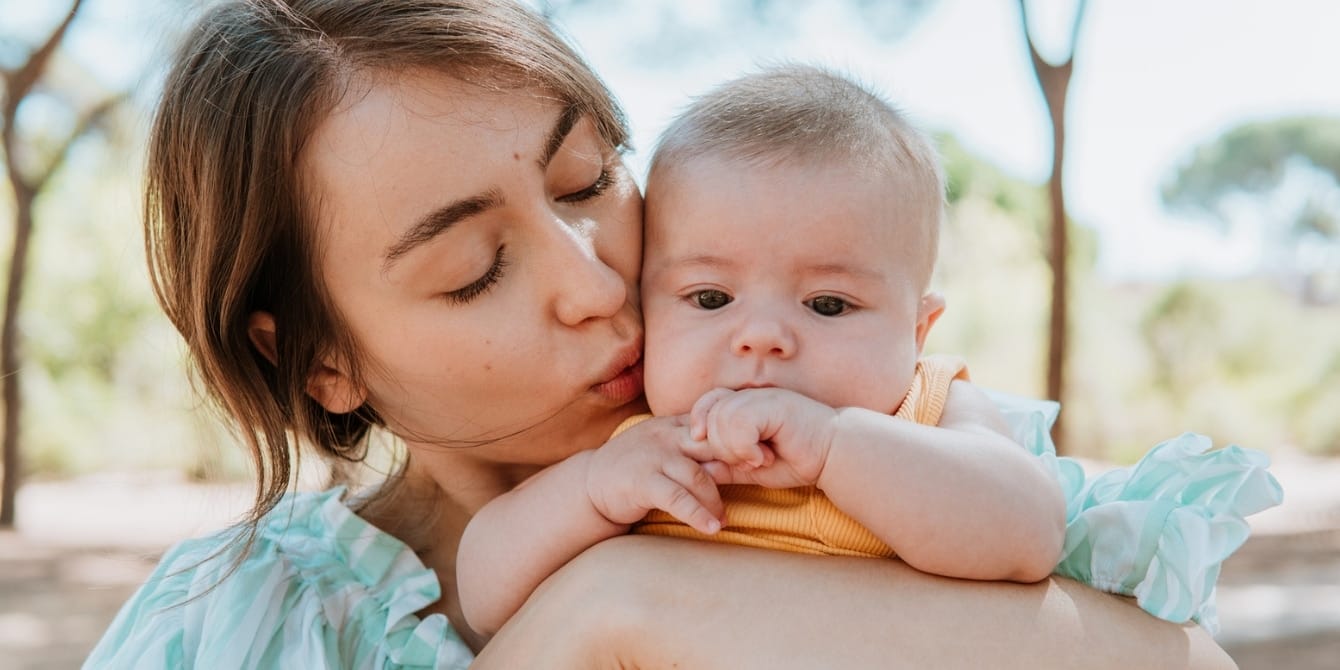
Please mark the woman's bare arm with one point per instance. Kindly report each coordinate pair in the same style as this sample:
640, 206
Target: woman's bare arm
655, 602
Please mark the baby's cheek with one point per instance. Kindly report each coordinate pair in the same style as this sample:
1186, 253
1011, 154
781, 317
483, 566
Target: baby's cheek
680, 361
879, 385
667, 379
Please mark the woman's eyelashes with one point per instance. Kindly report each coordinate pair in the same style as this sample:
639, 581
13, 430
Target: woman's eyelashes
476, 288
597, 187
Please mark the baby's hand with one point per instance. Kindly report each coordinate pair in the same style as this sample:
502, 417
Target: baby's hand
649, 467
772, 437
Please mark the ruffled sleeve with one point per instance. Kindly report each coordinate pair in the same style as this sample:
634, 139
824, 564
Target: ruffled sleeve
1159, 530
320, 588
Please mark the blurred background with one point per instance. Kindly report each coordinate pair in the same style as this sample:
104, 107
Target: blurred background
1195, 205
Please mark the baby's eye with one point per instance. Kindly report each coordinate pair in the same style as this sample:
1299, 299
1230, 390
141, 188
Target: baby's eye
710, 298
827, 305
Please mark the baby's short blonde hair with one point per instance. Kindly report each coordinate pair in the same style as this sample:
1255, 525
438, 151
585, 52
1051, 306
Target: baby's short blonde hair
802, 114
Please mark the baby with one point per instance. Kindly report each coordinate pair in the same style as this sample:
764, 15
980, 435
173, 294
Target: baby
792, 222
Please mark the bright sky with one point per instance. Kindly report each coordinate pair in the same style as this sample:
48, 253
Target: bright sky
1153, 79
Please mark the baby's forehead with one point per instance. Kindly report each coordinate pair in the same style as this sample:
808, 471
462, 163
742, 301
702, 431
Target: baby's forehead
849, 194
821, 215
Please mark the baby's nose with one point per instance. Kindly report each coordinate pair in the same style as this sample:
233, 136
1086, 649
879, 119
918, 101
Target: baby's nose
764, 337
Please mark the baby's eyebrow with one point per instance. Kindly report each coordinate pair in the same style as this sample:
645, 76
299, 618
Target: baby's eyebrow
824, 269
700, 260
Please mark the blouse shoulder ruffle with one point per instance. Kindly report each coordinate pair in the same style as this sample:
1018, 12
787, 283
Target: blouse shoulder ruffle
1159, 530
319, 587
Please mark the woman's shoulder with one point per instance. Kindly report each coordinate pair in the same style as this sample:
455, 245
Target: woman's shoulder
317, 586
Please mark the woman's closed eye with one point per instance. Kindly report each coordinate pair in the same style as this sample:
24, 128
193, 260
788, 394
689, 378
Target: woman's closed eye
595, 190
828, 305
478, 287
710, 298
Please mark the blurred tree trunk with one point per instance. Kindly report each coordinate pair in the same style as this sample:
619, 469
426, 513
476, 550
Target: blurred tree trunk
26, 186
1054, 79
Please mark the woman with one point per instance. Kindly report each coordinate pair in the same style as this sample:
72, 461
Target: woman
413, 215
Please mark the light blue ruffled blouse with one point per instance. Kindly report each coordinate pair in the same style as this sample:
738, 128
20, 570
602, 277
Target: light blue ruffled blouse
1159, 530
322, 588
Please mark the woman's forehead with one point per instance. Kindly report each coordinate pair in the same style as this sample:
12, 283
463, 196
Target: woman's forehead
378, 168
425, 105
419, 131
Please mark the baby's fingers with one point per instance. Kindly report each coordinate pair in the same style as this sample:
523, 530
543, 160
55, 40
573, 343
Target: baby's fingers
720, 472
698, 415
686, 491
735, 436
724, 474
740, 454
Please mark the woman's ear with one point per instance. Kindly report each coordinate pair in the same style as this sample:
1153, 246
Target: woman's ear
329, 384
261, 332
928, 312
333, 388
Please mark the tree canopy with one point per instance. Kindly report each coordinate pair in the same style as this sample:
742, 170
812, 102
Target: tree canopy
1291, 166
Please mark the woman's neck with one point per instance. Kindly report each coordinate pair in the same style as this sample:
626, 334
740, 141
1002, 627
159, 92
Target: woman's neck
428, 506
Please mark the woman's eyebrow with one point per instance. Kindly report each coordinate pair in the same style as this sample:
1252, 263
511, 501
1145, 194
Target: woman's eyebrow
566, 120
437, 222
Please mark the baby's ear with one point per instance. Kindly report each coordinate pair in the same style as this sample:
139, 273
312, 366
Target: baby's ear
928, 312
329, 383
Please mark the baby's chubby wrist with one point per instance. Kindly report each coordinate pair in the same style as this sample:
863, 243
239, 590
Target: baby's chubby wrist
815, 431
638, 470
600, 496
843, 435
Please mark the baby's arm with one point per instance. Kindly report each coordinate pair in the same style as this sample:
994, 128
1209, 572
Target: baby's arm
959, 499
518, 539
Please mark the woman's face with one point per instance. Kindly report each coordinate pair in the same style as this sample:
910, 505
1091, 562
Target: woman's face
484, 249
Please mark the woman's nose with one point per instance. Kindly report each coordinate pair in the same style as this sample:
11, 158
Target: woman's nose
585, 286
764, 335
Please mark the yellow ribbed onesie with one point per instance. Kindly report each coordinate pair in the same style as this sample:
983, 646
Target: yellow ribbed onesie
802, 519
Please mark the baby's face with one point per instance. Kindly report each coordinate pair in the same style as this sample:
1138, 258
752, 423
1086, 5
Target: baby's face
801, 277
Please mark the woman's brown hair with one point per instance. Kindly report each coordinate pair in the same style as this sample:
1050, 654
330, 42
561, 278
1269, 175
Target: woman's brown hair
228, 228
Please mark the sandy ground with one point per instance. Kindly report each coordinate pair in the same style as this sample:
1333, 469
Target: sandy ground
81, 547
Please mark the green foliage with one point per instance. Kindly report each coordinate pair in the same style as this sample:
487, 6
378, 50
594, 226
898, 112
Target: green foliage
1290, 166
1174, 330
103, 380
969, 176
991, 271
1254, 158
1237, 360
